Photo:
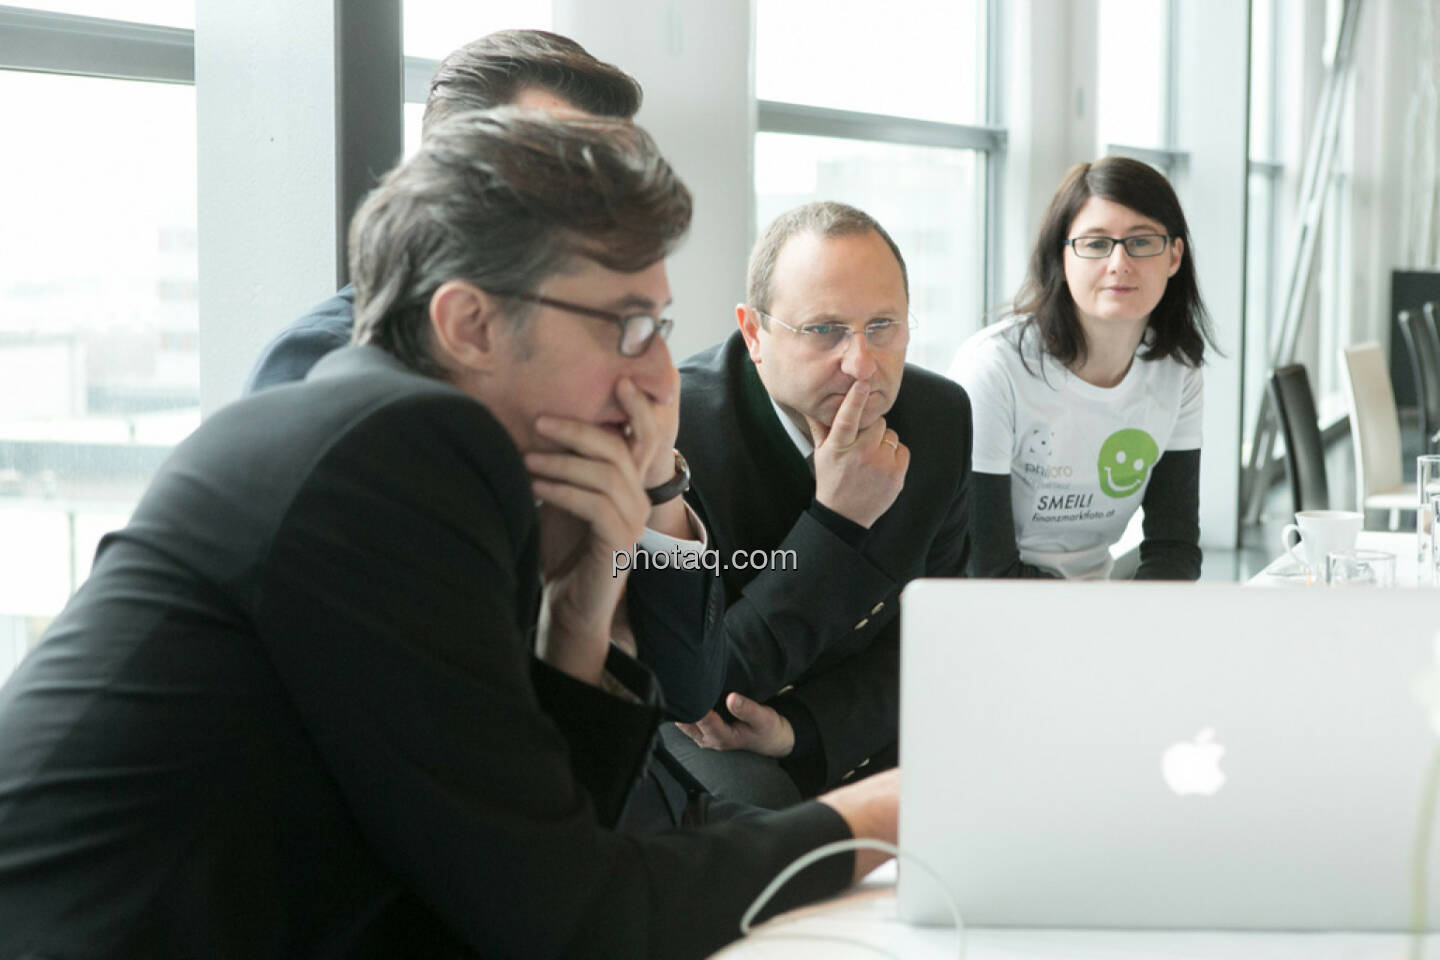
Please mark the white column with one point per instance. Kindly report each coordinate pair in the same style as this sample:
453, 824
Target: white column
693, 59
1050, 117
266, 126
1386, 78
1211, 128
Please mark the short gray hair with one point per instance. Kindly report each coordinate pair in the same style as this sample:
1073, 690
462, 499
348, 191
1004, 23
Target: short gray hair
826, 218
504, 199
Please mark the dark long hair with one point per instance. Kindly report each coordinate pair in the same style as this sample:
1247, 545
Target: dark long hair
1179, 325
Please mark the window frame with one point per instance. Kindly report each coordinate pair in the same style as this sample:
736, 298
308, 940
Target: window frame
37, 41
990, 139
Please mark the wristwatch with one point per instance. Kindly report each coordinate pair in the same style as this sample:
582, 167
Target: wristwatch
673, 487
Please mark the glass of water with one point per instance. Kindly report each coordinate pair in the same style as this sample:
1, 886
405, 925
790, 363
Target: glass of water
1360, 568
1427, 485
1427, 575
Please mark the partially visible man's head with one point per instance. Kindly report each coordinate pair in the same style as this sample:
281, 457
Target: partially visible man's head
825, 265
507, 202
529, 68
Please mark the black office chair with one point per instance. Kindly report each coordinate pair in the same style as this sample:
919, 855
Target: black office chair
1424, 346
1300, 426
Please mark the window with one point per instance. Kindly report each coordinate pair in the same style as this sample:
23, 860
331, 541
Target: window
847, 55
99, 368
433, 28
1263, 298
1133, 78
929, 199
1295, 74
839, 119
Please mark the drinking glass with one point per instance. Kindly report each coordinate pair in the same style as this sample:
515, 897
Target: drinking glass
1360, 568
1427, 575
1427, 485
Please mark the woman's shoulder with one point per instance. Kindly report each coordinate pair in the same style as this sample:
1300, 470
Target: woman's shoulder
1174, 372
1008, 344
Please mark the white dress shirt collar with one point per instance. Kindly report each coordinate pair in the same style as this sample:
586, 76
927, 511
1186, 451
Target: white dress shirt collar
802, 441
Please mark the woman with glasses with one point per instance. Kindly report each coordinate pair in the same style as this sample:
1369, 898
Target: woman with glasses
1087, 397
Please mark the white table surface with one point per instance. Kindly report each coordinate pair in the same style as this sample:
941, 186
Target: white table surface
867, 915
1284, 570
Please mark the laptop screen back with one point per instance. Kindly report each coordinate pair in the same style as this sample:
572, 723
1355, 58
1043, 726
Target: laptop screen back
1189, 756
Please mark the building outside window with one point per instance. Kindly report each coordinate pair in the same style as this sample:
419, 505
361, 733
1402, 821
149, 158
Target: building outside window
99, 362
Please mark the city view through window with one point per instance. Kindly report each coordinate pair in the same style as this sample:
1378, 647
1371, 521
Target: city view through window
99, 362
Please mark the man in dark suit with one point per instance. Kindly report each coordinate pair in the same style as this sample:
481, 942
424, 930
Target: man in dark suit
667, 613
802, 440
340, 687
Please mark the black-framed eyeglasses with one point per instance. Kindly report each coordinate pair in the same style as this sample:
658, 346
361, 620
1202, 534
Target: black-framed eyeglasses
826, 336
637, 331
1139, 245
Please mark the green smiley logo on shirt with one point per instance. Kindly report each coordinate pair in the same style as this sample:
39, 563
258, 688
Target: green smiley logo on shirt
1125, 459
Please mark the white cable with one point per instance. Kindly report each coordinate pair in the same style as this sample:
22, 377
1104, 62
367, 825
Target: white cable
829, 850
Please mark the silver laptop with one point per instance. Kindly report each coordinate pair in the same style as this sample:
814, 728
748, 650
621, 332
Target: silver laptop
1184, 756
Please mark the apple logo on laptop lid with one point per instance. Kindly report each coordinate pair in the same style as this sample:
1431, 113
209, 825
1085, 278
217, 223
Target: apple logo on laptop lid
1192, 767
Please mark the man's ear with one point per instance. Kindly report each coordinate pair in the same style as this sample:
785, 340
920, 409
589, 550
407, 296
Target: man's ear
468, 326
749, 322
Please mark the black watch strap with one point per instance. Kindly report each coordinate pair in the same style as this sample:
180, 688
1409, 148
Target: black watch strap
673, 487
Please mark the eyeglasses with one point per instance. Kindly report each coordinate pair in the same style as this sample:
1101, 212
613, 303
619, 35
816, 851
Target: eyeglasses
1098, 248
637, 332
825, 337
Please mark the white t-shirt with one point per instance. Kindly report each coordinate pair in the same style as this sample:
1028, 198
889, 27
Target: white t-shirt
1078, 455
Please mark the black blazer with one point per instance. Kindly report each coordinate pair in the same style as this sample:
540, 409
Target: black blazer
829, 626
294, 713
670, 610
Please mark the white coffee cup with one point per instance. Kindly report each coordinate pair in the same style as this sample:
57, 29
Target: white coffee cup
1319, 532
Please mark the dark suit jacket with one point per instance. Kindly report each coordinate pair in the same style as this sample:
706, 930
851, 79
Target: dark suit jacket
671, 612
294, 713
297, 348
829, 626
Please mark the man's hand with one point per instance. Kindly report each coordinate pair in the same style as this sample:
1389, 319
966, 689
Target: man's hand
871, 808
654, 425
757, 728
858, 473
593, 504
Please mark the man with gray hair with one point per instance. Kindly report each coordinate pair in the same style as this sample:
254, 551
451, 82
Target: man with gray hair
344, 685
804, 447
665, 616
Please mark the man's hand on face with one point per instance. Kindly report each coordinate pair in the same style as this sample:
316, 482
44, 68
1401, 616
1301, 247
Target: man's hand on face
655, 432
757, 728
858, 473
593, 504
